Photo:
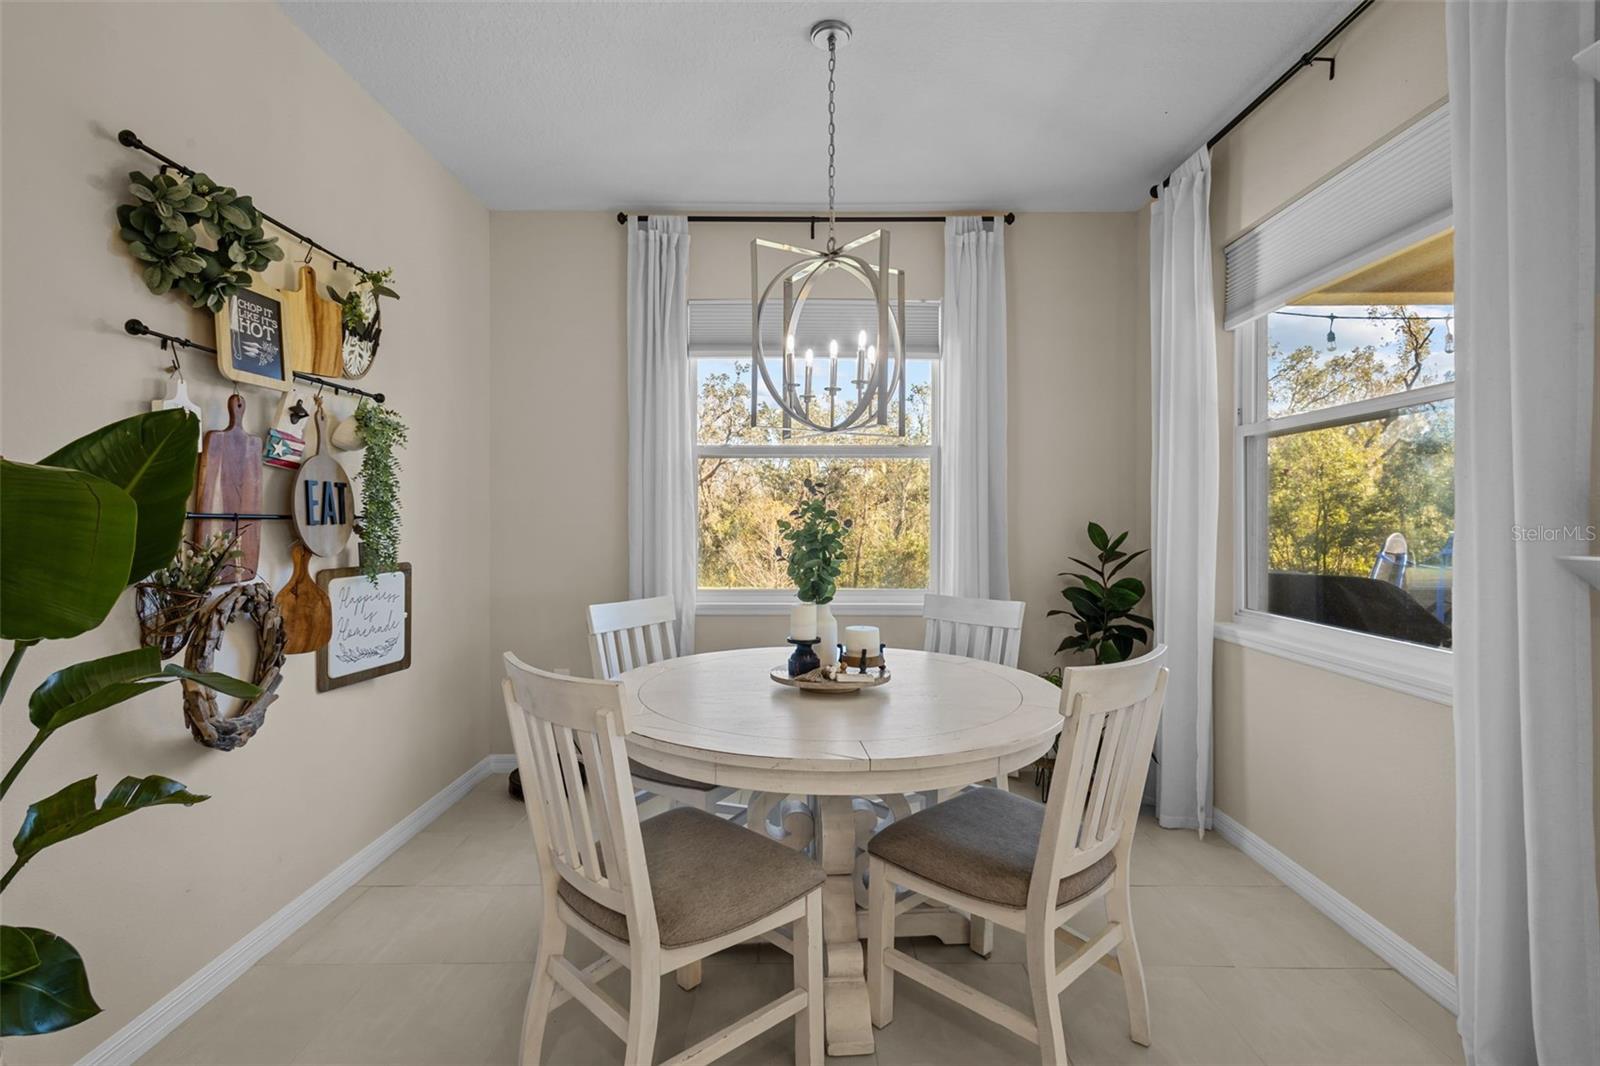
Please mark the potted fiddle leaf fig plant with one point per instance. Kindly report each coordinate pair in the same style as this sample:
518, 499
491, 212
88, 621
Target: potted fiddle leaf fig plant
76, 529
1105, 622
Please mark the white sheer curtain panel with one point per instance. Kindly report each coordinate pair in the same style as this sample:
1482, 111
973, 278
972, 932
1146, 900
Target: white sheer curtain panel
1183, 505
662, 523
970, 542
1523, 182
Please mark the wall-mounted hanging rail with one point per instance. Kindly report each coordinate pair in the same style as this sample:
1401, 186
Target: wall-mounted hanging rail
812, 220
312, 379
130, 139
1310, 58
138, 329
237, 516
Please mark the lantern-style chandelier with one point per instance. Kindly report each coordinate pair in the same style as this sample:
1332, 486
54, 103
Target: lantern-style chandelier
877, 372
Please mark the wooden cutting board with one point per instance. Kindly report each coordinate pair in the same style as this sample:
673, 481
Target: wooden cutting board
307, 612
229, 479
328, 322
324, 502
300, 322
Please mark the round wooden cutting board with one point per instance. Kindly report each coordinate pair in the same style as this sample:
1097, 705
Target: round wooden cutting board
324, 502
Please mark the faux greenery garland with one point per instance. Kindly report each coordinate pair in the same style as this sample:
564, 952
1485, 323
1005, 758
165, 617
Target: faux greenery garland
383, 432
159, 229
816, 545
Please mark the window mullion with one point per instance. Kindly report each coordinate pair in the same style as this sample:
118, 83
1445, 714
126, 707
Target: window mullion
1356, 411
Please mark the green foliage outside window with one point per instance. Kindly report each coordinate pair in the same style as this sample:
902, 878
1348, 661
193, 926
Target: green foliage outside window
1336, 493
743, 498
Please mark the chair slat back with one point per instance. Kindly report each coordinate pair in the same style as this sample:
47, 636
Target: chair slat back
990, 630
631, 633
568, 733
1111, 714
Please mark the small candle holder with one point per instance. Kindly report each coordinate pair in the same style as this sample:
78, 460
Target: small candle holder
864, 662
804, 660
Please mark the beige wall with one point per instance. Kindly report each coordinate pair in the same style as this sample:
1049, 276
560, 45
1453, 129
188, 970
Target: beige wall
1078, 416
153, 898
1352, 781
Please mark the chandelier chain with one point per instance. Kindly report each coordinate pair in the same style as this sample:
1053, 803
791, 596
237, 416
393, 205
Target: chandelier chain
832, 60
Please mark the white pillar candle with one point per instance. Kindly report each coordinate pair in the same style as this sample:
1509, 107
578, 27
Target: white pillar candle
803, 621
858, 639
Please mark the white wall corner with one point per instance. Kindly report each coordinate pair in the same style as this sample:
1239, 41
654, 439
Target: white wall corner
134, 1040
1408, 960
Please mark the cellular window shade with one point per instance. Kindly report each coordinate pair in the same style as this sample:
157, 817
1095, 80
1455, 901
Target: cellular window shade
1388, 199
721, 328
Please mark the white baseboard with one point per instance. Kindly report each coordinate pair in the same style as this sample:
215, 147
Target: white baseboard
1407, 959
136, 1038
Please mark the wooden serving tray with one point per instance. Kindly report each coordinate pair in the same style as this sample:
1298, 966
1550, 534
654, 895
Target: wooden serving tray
843, 685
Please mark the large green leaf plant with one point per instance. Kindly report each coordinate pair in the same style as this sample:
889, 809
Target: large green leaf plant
1104, 620
76, 529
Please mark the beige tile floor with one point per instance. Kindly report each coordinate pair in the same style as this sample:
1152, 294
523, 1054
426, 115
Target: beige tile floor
428, 961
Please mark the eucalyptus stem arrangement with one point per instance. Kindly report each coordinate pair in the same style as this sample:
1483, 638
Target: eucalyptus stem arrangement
383, 433
816, 541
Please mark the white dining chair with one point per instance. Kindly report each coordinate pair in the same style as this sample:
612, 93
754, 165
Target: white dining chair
1029, 866
633, 633
653, 896
990, 630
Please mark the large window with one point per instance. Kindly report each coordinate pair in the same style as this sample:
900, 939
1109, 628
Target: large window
752, 476
1347, 451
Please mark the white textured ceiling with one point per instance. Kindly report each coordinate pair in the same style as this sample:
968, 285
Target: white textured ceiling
1025, 106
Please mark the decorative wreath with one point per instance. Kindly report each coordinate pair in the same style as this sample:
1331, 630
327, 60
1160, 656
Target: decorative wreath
200, 703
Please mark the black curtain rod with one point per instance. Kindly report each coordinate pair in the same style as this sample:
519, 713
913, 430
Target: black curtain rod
1308, 59
1009, 217
138, 329
130, 139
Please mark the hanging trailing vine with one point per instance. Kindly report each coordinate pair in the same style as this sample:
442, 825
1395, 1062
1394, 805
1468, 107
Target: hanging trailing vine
383, 432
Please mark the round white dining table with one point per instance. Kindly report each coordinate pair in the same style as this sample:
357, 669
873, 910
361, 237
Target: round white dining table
941, 722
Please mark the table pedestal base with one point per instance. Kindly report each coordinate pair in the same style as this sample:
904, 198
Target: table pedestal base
842, 827
848, 1018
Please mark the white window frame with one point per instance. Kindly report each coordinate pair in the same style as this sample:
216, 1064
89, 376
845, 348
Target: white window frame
885, 602
1414, 669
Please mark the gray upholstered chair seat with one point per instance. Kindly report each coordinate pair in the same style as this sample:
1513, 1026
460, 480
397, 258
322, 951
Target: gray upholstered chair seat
982, 844
707, 876
641, 772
